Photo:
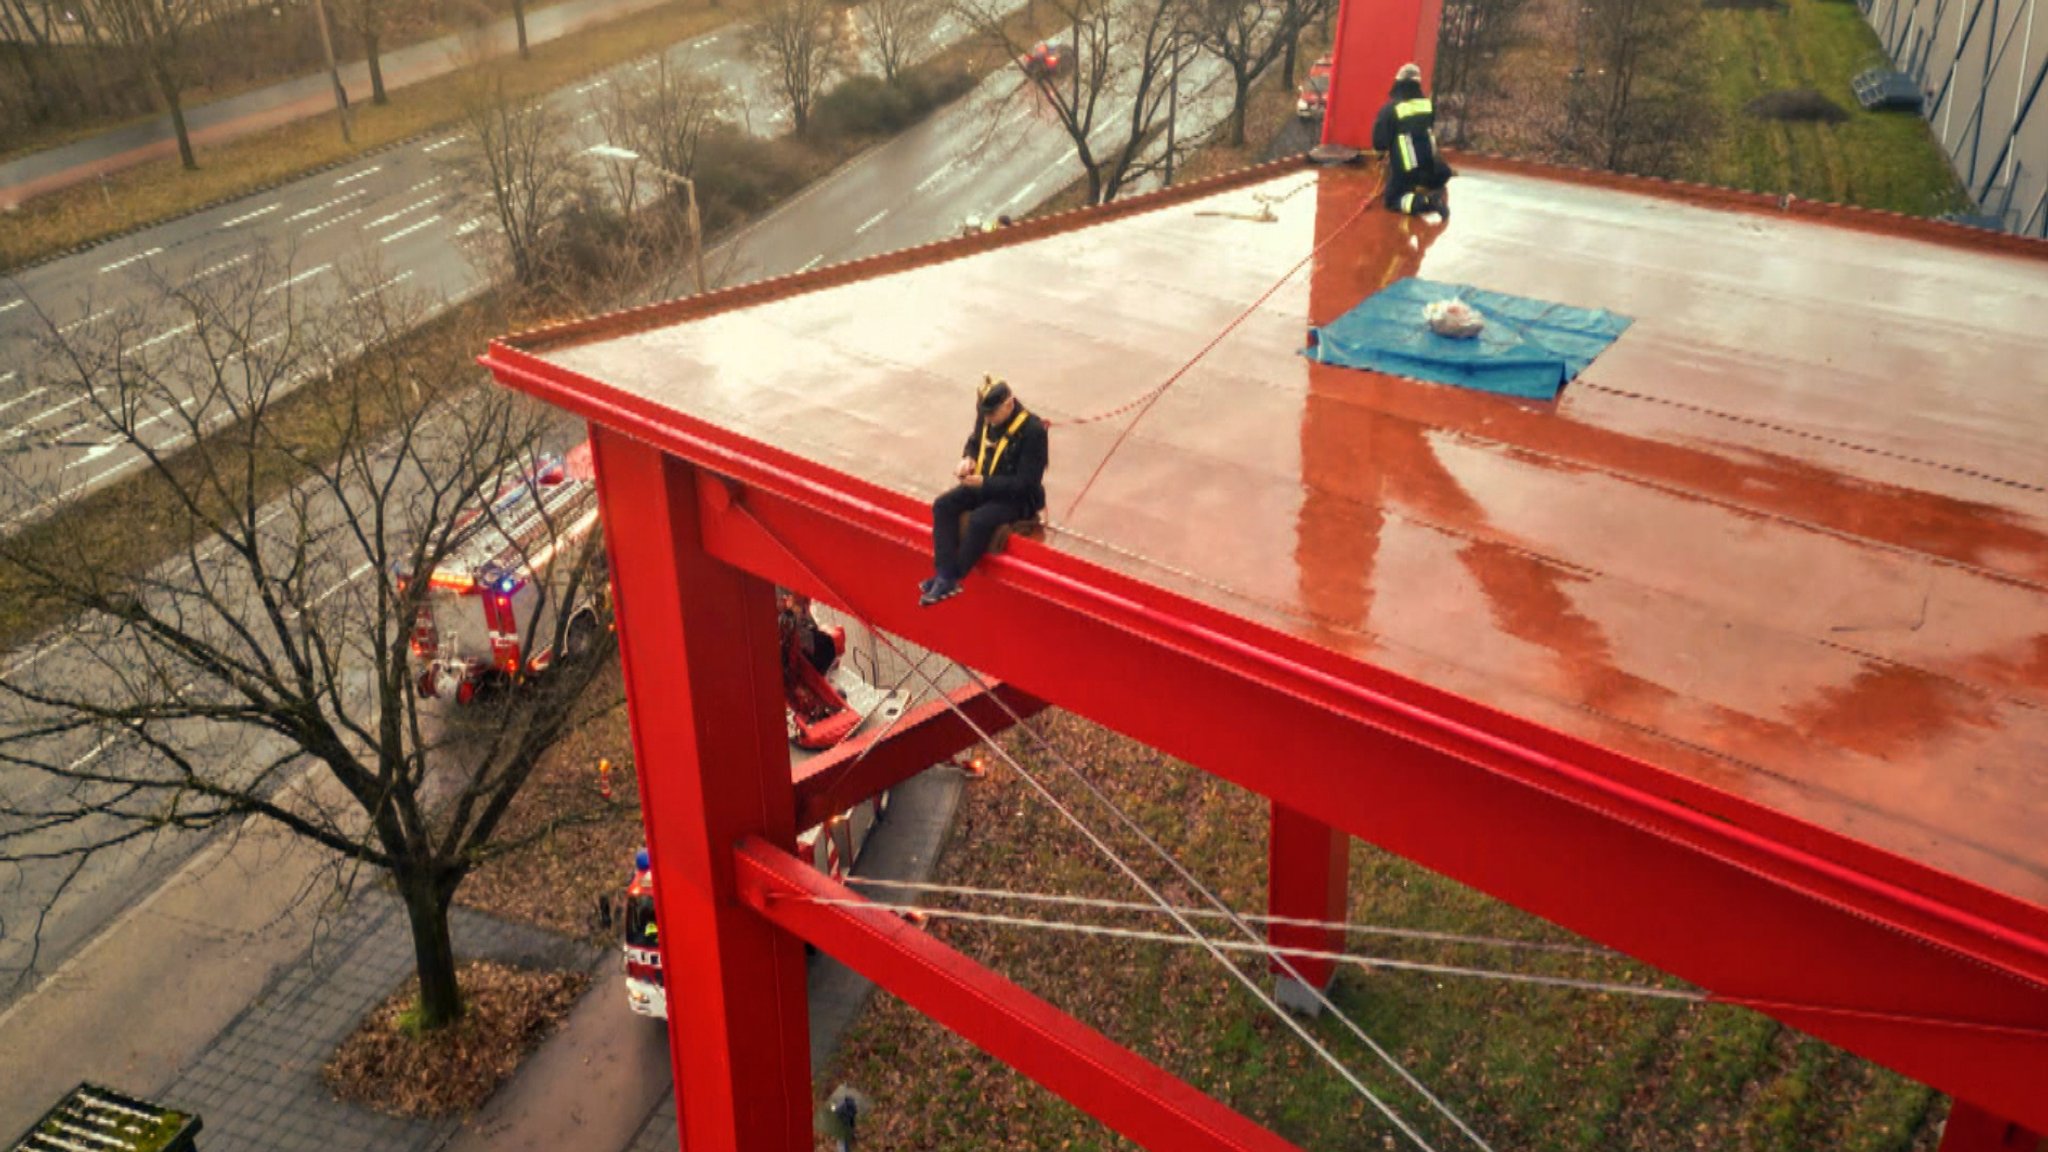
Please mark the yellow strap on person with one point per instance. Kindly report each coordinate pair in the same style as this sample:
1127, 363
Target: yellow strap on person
1419, 106
984, 464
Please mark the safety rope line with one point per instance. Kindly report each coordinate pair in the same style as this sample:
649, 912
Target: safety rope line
1591, 951
1144, 402
1217, 902
1110, 853
1389, 963
1584, 385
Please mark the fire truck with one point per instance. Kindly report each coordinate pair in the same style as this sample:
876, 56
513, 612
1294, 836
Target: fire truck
493, 604
826, 703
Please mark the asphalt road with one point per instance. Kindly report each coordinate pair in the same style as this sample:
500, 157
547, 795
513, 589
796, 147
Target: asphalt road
398, 211
993, 151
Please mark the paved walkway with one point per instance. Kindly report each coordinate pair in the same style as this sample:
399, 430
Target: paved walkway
47, 171
258, 1085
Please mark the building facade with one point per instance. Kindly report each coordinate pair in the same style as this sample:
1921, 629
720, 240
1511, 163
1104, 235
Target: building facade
1980, 64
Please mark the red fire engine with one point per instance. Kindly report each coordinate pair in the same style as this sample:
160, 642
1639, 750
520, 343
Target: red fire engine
493, 605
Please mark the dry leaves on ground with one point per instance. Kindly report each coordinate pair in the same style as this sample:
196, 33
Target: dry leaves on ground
509, 1011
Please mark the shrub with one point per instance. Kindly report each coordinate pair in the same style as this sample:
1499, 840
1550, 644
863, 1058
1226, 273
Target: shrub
869, 106
738, 174
1796, 104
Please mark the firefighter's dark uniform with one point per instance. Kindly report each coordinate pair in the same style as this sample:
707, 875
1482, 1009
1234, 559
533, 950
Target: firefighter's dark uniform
1406, 133
1011, 461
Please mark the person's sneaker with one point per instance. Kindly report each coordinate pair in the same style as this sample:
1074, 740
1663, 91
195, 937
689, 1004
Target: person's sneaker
925, 585
939, 588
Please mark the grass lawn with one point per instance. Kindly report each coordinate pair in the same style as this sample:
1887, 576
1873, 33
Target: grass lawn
1529, 1068
1875, 159
163, 189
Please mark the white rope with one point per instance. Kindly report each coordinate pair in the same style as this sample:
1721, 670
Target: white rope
1253, 917
1352, 958
1110, 854
1322, 998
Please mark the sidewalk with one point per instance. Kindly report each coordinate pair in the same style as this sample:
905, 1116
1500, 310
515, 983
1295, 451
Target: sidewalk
43, 172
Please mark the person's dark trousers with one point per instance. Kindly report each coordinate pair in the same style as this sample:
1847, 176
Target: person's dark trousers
954, 553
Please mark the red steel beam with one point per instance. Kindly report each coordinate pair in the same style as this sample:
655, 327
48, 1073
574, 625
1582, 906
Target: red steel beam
1093, 1073
704, 689
1940, 979
833, 781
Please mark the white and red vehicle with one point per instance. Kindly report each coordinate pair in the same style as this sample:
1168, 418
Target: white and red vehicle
826, 702
493, 607
831, 847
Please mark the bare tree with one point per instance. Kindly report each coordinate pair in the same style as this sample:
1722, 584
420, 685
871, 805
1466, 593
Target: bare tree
1471, 42
1247, 35
369, 18
895, 30
264, 671
658, 117
154, 32
519, 162
1643, 103
803, 43
1114, 73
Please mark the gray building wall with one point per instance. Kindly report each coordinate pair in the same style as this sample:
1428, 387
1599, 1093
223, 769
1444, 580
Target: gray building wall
1981, 64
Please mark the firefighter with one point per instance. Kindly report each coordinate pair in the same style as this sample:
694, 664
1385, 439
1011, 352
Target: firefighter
1406, 133
1002, 481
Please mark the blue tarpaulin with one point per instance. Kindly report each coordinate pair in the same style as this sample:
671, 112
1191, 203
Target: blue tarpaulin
1529, 348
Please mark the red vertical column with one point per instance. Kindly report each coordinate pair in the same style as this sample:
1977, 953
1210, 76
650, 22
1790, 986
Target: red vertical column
1373, 39
1971, 1129
1307, 869
704, 695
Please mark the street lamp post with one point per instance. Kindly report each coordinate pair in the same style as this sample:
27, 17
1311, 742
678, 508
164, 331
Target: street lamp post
689, 187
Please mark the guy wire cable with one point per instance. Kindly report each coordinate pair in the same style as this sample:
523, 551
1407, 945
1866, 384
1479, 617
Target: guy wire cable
1110, 853
1589, 950
1230, 913
1355, 959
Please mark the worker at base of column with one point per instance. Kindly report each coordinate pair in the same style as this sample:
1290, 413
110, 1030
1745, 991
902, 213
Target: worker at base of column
1406, 133
1002, 481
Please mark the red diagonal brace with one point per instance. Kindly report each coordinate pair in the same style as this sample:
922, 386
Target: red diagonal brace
834, 781
1109, 1082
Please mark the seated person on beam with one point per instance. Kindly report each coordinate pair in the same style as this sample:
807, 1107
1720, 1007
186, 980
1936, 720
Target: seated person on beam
1002, 481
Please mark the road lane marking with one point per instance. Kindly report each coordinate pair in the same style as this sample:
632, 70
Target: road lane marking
223, 265
342, 199
872, 221
306, 275
83, 321
160, 337
25, 396
358, 176
815, 261
9, 307
442, 143
26, 426
471, 225
331, 221
130, 260
390, 216
401, 278
939, 175
245, 217
410, 230
428, 183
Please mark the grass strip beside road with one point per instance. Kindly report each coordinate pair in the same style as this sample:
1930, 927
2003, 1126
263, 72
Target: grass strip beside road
163, 190
1886, 160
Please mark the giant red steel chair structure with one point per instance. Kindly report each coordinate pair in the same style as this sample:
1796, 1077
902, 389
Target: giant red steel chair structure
1930, 974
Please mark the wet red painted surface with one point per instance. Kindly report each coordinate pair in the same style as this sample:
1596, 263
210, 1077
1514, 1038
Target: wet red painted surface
1788, 537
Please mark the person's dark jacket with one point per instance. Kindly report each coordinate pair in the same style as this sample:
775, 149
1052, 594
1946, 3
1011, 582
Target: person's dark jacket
1012, 464
1430, 169
1383, 127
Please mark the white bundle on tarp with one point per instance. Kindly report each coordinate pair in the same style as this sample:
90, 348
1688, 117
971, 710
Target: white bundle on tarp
1453, 318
